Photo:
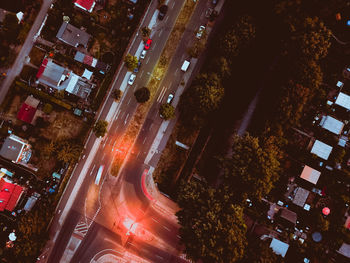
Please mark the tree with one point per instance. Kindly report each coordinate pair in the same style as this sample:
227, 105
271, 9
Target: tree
313, 38
47, 108
203, 97
212, 228
142, 95
68, 151
253, 168
260, 252
11, 28
322, 223
146, 32
167, 111
245, 29
48, 150
100, 128
222, 67
130, 62
117, 94
308, 73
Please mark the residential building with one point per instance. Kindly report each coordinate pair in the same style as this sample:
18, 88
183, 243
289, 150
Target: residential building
309, 174
331, 124
28, 110
73, 36
279, 247
60, 78
300, 197
16, 149
86, 5
343, 100
93, 62
344, 250
287, 218
321, 149
9, 195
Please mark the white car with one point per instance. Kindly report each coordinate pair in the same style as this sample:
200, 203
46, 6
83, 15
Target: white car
131, 79
200, 32
143, 54
170, 98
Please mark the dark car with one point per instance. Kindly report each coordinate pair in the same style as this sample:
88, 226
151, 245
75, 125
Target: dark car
162, 12
138, 67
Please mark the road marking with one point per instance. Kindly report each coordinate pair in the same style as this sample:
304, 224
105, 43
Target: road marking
147, 59
150, 126
161, 94
129, 101
103, 156
160, 33
166, 19
144, 140
137, 156
135, 87
126, 119
173, 5
141, 73
167, 228
155, 220
116, 117
154, 46
176, 71
92, 169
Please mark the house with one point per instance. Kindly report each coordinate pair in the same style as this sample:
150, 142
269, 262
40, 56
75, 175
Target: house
279, 247
16, 149
86, 5
93, 62
28, 110
309, 174
300, 198
60, 78
287, 217
9, 195
343, 100
321, 149
31, 202
344, 250
73, 36
331, 124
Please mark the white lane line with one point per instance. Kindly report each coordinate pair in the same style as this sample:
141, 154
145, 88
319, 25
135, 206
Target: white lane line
150, 126
173, 5
160, 33
155, 220
103, 156
144, 140
166, 19
154, 46
129, 101
147, 59
141, 73
92, 170
137, 156
167, 228
126, 119
176, 71
161, 95
116, 117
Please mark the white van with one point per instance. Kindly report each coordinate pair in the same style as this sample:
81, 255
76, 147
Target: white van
99, 174
185, 66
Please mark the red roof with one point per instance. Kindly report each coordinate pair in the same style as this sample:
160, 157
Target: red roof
87, 4
9, 195
26, 113
88, 60
42, 68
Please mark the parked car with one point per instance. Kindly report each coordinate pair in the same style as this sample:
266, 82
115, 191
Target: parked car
148, 44
99, 175
170, 98
143, 54
131, 79
162, 12
200, 32
138, 67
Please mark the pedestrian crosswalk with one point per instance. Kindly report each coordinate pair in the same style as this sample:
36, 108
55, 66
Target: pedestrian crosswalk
81, 229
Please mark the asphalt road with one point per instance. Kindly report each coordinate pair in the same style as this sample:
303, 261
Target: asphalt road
27, 46
102, 208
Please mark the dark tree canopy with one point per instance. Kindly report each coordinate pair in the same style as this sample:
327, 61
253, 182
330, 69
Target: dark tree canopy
260, 252
130, 62
253, 168
100, 128
142, 95
212, 229
167, 111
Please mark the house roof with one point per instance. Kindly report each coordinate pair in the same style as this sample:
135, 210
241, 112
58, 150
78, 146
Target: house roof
288, 215
87, 74
87, 5
310, 174
300, 196
79, 56
345, 250
321, 149
343, 100
72, 36
51, 74
11, 149
26, 113
331, 124
9, 195
279, 247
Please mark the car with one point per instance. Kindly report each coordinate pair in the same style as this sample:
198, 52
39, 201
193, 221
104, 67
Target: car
143, 54
131, 79
214, 2
138, 67
99, 175
170, 98
200, 32
162, 12
148, 44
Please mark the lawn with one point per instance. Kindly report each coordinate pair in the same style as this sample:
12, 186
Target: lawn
36, 56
